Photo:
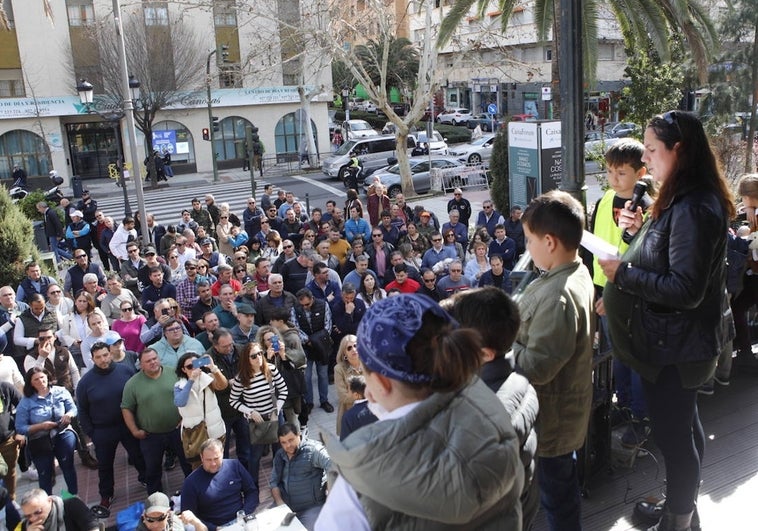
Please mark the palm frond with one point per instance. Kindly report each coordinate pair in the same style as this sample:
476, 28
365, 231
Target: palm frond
452, 20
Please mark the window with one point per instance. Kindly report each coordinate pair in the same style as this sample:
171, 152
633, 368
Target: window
224, 14
156, 15
288, 133
81, 15
548, 53
25, 148
230, 76
11, 88
229, 141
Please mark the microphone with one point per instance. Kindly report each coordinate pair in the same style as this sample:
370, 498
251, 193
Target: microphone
639, 192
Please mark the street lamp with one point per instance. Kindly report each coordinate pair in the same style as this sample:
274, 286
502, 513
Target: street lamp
212, 124
86, 96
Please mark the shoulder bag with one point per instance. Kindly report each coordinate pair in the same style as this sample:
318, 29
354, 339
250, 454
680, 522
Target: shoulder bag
194, 437
266, 431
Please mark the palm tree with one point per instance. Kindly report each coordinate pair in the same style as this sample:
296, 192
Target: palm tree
641, 21
399, 68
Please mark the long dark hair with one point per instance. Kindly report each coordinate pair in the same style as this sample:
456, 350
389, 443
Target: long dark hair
182, 360
246, 373
696, 164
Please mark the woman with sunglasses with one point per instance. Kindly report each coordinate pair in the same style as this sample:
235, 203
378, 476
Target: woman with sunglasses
223, 231
44, 416
449, 241
178, 273
204, 270
666, 301
274, 345
259, 393
74, 326
348, 365
129, 326
195, 396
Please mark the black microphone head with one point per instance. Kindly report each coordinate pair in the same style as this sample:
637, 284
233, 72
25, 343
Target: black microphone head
640, 188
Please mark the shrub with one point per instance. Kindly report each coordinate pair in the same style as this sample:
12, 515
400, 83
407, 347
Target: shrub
16, 241
28, 204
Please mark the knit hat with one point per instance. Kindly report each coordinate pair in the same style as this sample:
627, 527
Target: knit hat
157, 502
385, 330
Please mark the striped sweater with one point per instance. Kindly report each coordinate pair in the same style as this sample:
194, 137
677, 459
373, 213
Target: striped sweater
257, 395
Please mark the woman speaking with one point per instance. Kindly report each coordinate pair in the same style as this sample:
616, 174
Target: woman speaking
666, 300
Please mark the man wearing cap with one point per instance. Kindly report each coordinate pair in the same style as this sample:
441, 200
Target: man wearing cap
88, 207
214, 258
147, 405
158, 516
98, 397
78, 233
438, 252
52, 513
201, 216
426, 225
462, 205
119, 354
251, 217
175, 343
245, 330
219, 488
151, 260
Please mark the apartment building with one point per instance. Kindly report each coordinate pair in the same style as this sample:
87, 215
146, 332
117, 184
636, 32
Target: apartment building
253, 79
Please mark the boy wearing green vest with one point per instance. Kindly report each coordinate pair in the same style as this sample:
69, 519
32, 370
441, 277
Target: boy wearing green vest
624, 168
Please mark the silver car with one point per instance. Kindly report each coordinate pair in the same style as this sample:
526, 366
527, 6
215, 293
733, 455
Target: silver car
390, 176
476, 152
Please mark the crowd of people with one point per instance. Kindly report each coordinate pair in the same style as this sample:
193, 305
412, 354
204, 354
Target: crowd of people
226, 316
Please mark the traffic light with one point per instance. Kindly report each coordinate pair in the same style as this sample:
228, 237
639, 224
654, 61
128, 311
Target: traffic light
215, 124
206, 133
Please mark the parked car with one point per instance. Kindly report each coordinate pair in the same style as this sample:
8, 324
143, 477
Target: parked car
373, 153
367, 106
522, 117
457, 116
355, 104
623, 129
484, 121
352, 129
437, 111
437, 145
390, 176
480, 150
596, 142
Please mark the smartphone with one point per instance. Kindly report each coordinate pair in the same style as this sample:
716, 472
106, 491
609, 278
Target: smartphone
166, 311
288, 519
250, 284
275, 343
201, 362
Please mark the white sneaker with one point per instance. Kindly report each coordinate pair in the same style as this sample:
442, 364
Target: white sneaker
304, 432
31, 474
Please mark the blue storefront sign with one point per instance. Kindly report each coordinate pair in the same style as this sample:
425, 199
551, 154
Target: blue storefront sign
164, 141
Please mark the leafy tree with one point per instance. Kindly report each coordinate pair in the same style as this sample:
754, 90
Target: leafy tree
400, 68
655, 85
500, 188
16, 241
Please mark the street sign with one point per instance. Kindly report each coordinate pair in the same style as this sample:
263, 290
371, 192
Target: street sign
547, 93
492, 108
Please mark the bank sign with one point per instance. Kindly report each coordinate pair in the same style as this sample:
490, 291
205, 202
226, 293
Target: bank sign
535, 160
71, 105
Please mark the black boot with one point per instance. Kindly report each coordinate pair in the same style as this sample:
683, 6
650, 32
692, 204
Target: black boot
87, 459
673, 522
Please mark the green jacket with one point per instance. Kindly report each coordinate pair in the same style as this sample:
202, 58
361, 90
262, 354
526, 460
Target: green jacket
554, 349
452, 463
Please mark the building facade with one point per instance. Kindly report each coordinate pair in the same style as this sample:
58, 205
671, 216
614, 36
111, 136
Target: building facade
254, 76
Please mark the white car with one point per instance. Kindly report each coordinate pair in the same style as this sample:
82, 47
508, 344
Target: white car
367, 106
355, 129
458, 116
596, 143
437, 146
477, 151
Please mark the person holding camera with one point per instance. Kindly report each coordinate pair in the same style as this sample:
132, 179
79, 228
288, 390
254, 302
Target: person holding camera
194, 395
44, 416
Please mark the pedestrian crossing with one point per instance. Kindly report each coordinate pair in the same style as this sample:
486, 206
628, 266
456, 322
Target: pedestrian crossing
167, 203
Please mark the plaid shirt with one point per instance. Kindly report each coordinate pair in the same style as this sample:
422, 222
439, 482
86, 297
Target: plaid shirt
186, 296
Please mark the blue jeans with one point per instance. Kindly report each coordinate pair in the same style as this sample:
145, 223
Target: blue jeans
322, 374
64, 445
106, 442
242, 440
152, 448
559, 492
60, 252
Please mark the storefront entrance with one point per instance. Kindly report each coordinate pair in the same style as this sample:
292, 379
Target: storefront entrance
93, 146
